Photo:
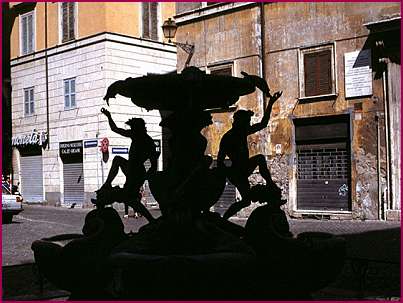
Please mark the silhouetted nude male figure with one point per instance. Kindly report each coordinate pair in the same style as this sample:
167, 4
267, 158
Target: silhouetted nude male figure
142, 149
234, 144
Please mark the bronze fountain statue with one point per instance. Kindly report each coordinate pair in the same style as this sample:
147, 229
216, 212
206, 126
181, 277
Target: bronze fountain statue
189, 252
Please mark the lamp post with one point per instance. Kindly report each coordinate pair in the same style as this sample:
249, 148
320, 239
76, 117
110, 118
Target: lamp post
169, 29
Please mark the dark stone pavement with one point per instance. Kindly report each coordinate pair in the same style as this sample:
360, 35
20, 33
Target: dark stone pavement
371, 271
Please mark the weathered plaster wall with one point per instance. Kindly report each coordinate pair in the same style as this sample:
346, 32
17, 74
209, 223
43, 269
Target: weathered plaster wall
290, 26
230, 36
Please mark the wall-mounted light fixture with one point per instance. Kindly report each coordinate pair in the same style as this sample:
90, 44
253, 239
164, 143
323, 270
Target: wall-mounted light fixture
169, 29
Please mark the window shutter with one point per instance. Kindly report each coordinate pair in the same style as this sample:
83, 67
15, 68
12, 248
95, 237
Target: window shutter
71, 21
324, 85
65, 36
26, 101
24, 35
309, 71
154, 20
146, 19
226, 71
66, 94
30, 34
72, 92
31, 97
317, 73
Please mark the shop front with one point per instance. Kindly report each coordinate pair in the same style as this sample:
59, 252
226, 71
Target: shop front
71, 154
30, 147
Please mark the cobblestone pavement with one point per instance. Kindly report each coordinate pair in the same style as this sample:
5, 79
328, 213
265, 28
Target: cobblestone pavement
372, 268
373, 248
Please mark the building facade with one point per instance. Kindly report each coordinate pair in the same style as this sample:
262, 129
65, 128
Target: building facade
333, 142
63, 58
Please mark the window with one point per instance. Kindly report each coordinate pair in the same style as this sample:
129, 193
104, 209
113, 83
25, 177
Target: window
221, 70
70, 93
317, 72
29, 107
27, 33
206, 4
149, 20
68, 21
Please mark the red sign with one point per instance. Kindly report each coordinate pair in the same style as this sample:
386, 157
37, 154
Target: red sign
104, 145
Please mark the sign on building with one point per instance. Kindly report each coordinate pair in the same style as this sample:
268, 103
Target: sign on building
120, 150
71, 149
90, 143
33, 138
358, 73
157, 143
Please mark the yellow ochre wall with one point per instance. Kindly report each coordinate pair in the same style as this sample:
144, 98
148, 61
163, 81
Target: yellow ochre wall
93, 17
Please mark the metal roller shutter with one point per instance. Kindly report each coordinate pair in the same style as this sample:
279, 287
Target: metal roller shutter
32, 178
148, 198
228, 197
323, 163
73, 175
323, 177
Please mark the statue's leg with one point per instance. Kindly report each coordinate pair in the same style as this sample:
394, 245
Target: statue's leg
242, 184
118, 162
140, 208
260, 161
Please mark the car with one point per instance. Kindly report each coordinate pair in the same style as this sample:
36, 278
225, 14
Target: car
11, 204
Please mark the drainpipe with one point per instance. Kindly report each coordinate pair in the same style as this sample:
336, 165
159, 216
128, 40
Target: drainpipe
47, 75
98, 157
389, 197
262, 46
378, 160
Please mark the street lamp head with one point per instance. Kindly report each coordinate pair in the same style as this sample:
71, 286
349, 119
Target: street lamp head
169, 29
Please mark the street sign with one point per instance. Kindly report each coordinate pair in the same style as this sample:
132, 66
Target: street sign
120, 150
91, 143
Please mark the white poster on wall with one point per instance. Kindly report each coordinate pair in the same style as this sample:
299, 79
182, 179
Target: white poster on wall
358, 73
